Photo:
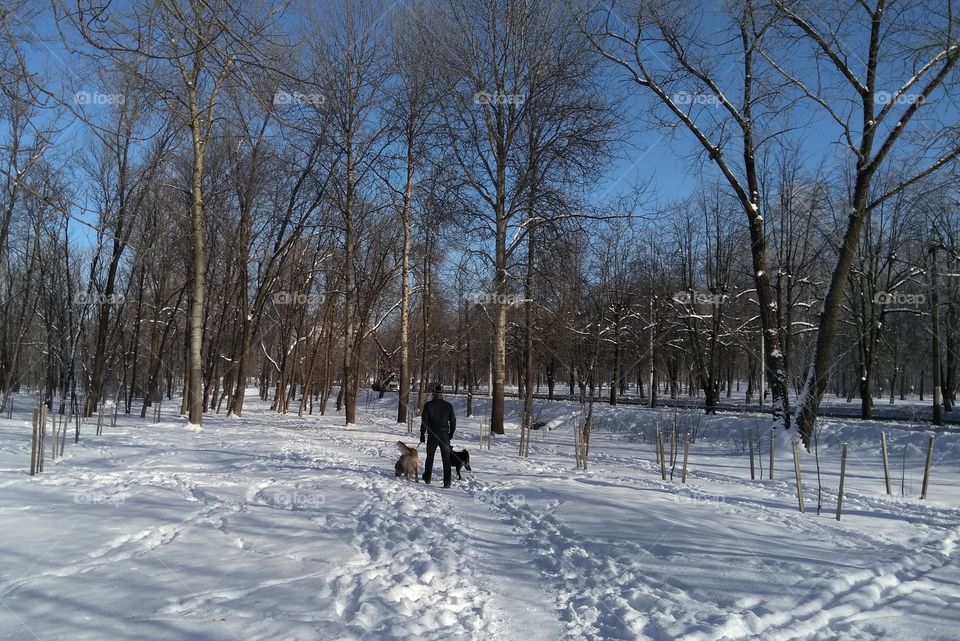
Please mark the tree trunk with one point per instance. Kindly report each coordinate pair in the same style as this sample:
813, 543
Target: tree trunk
195, 380
405, 296
348, 388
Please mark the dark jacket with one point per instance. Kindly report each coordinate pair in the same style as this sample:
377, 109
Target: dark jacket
438, 418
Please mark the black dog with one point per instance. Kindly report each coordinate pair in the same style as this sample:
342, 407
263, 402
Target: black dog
460, 459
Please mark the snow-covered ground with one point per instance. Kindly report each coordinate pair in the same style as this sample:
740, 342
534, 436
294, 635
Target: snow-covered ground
282, 528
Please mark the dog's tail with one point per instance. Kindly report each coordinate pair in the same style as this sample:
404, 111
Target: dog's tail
404, 449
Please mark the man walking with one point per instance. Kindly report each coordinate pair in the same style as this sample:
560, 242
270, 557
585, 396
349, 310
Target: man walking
437, 425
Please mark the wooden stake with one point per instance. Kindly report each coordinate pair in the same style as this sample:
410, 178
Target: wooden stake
660, 455
70, 419
753, 472
53, 438
686, 452
773, 440
33, 442
843, 475
796, 469
42, 440
673, 446
54, 429
886, 460
926, 468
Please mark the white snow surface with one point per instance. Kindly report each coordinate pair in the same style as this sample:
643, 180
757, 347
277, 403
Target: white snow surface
285, 528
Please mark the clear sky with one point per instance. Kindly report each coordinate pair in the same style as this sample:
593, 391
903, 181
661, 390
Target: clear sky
650, 155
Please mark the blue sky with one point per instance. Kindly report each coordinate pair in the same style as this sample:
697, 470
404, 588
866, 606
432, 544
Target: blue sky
648, 156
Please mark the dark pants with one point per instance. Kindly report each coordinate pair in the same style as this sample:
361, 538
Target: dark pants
432, 446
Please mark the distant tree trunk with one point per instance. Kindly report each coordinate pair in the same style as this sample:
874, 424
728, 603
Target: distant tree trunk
405, 295
528, 372
935, 337
551, 377
27, 310
615, 381
134, 349
98, 369
348, 389
469, 366
425, 301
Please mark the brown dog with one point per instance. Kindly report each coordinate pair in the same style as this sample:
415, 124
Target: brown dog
409, 462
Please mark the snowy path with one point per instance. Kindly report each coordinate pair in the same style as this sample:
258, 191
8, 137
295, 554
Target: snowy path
288, 529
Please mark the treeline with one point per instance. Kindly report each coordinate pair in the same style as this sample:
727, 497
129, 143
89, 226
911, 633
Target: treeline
208, 194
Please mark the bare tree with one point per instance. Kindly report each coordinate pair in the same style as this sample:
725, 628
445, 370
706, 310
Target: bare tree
878, 72
412, 105
518, 114
719, 93
197, 48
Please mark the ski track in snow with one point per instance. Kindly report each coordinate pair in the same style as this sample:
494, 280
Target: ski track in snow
402, 560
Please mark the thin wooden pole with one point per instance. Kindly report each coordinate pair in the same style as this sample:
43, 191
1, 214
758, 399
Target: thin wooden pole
33, 442
673, 446
773, 441
753, 471
53, 438
926, 468
843, 475
70, 419
41, 442
796, 470
886, 460
43, 438
686, 453
663, 467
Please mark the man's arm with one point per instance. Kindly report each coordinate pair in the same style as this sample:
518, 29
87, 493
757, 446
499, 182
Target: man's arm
453, 421
423, 424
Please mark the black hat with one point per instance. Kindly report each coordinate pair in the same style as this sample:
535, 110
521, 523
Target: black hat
437, 388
